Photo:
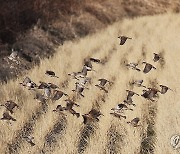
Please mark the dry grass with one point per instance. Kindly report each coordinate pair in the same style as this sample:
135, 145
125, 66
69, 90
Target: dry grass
160, 120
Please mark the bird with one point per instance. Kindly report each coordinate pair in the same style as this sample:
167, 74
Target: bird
123, 39
79, 89
156, 57
6, 116
51, 74
42, 85
147, 67
134, 122
29, 139
121, 107
59, 108
25, 81
58, 94
83, 81
150, 93
10, 105
52, 86
164, 89
118, 115
138, 83
81, 74
91, 116
40, 98
95, 60
129, 101
69, 106
133, 66
102, 83
88, 64
131, 93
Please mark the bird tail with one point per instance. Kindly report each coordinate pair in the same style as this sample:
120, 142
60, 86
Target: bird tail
56, 76
131, 109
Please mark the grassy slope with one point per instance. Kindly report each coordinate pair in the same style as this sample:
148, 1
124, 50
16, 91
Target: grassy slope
150, 34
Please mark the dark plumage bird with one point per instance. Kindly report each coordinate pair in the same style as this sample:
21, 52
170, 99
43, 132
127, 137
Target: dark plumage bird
10, 105
51, 74
29, 139
123, 39
150, 93
91, 116
102, 84
6, 116
131, 93
42, 85
156, 57
164, 89
134, 122
148, 67
53, 86
118, 115
95, 60
40, 98
121, 107
59, 108
58, 94
69, 107
129, 101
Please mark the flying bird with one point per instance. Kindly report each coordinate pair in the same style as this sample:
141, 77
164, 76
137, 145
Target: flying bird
40, 98
134, 122
133, 66
52, 86
138, 83
59, 108
25, 81
120, 107
156, 57
91, 116
148, 67
29, 139
102, 84
69, 106
129, 101
95, 60
42, 85
10, 105
118, 115
6, 116
131, 93
51, 74
58, 94
164, 89
123, 39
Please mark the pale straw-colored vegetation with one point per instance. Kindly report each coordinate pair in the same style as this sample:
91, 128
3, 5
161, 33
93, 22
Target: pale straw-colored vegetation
159, 120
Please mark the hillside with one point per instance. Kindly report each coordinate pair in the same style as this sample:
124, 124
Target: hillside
35, 28
66, 134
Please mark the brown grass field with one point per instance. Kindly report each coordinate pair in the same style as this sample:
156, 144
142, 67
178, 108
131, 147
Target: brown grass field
59, 134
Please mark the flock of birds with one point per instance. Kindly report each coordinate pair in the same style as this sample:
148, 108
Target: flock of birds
50, 91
